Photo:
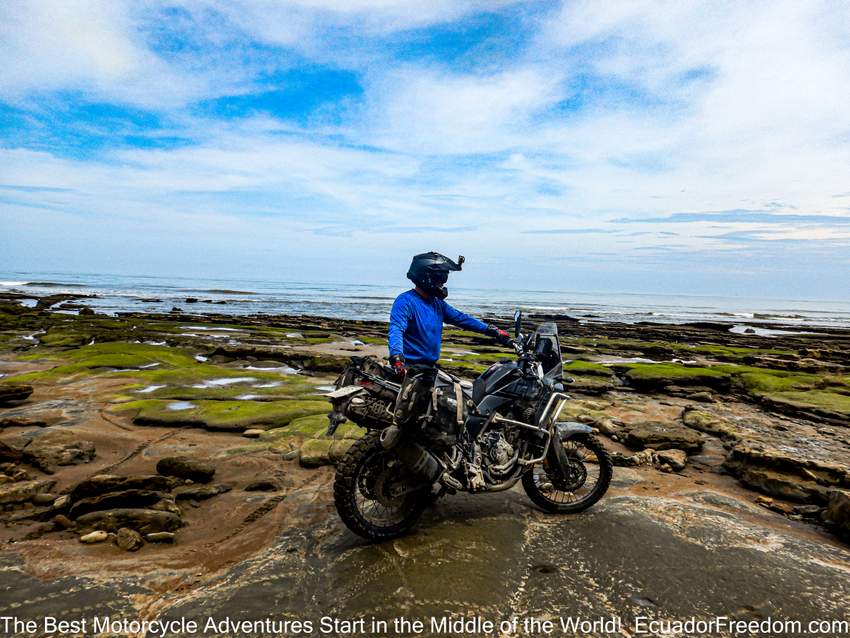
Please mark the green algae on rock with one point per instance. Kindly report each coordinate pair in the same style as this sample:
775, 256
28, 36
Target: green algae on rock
231, 416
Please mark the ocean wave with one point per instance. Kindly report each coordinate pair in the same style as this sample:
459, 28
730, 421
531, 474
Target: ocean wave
14, 283
52, 284
219, 291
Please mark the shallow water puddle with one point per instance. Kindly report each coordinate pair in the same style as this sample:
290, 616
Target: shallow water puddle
271, 384
765, 332
217, 383
280, 369
148, 366
248, 397
211, 328
180, 405
201, 358
155, 343
149, 389
325, 388
607, 360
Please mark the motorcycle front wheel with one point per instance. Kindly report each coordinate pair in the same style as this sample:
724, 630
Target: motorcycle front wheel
590, 471
375, 494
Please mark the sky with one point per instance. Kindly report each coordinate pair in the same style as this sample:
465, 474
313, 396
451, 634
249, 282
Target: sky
691, 147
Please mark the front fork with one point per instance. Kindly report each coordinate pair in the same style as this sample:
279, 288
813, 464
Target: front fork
557, 463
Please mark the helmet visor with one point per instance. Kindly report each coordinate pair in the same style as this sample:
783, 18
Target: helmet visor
439, 277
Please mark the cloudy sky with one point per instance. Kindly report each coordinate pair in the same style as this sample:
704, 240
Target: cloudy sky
615, 146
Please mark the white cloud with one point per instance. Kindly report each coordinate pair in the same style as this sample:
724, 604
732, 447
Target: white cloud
90, 46
695, 106
421, 110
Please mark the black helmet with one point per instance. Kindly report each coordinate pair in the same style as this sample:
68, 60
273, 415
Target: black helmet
430, 271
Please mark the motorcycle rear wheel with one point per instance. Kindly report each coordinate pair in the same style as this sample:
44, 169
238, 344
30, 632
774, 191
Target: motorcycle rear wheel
596, 466
366, 478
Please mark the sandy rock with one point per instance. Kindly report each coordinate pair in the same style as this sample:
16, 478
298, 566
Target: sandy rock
200, 492
702, 397
252, 433
116, 500
315, 453
21, 422
97, 536
60, 521
103, 483
675, 459
777, 473
838, 511
44, 498
780, 484
129, 539
186, 468
160, 537
143, 520
55, 447
9, 454
262, 485
663, 436
12, 392
644, 457
167, 504
607, 427
705, 421
23, 491
808, 511
62, 502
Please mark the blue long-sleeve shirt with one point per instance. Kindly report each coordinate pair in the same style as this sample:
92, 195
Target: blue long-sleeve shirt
416, 326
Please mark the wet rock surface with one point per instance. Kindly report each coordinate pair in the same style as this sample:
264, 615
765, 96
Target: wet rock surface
730, 495
14, 392
663, 436
186, 468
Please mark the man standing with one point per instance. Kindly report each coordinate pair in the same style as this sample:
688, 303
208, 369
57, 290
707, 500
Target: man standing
416, 331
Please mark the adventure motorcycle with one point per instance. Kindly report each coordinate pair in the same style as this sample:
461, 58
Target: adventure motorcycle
479, 437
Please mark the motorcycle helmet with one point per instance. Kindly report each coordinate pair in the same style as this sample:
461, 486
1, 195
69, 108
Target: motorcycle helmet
430, 271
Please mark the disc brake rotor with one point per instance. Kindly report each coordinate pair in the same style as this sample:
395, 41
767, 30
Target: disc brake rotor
389, 487
573, 478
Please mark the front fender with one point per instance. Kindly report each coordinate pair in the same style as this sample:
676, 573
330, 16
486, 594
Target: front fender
570, 429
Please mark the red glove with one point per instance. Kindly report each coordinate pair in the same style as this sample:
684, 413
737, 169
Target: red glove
397, 364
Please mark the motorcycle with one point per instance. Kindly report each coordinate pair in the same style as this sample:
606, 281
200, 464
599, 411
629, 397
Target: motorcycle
479, 438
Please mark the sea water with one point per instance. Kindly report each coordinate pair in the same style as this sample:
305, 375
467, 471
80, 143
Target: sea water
123, 293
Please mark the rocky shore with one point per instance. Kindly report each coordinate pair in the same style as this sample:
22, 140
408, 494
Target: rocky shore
185, 453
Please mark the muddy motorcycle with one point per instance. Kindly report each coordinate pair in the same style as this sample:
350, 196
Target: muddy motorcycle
481, 437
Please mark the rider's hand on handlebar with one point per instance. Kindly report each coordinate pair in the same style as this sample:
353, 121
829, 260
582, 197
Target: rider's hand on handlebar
501, 337
397, 364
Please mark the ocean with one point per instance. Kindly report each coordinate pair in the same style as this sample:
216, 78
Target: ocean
122, 293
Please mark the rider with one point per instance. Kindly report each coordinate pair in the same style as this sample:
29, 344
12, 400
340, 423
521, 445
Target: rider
416, 330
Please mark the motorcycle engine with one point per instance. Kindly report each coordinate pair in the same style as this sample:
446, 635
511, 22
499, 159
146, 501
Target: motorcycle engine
497, 450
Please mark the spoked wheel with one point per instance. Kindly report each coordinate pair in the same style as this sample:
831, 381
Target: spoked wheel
375, 494
587, 478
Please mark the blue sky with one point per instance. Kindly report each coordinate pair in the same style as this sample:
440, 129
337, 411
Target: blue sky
698, 147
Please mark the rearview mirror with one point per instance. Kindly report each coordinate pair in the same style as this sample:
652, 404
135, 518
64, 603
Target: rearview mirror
517, 323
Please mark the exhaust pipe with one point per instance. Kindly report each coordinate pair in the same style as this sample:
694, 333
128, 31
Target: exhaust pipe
419, 460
